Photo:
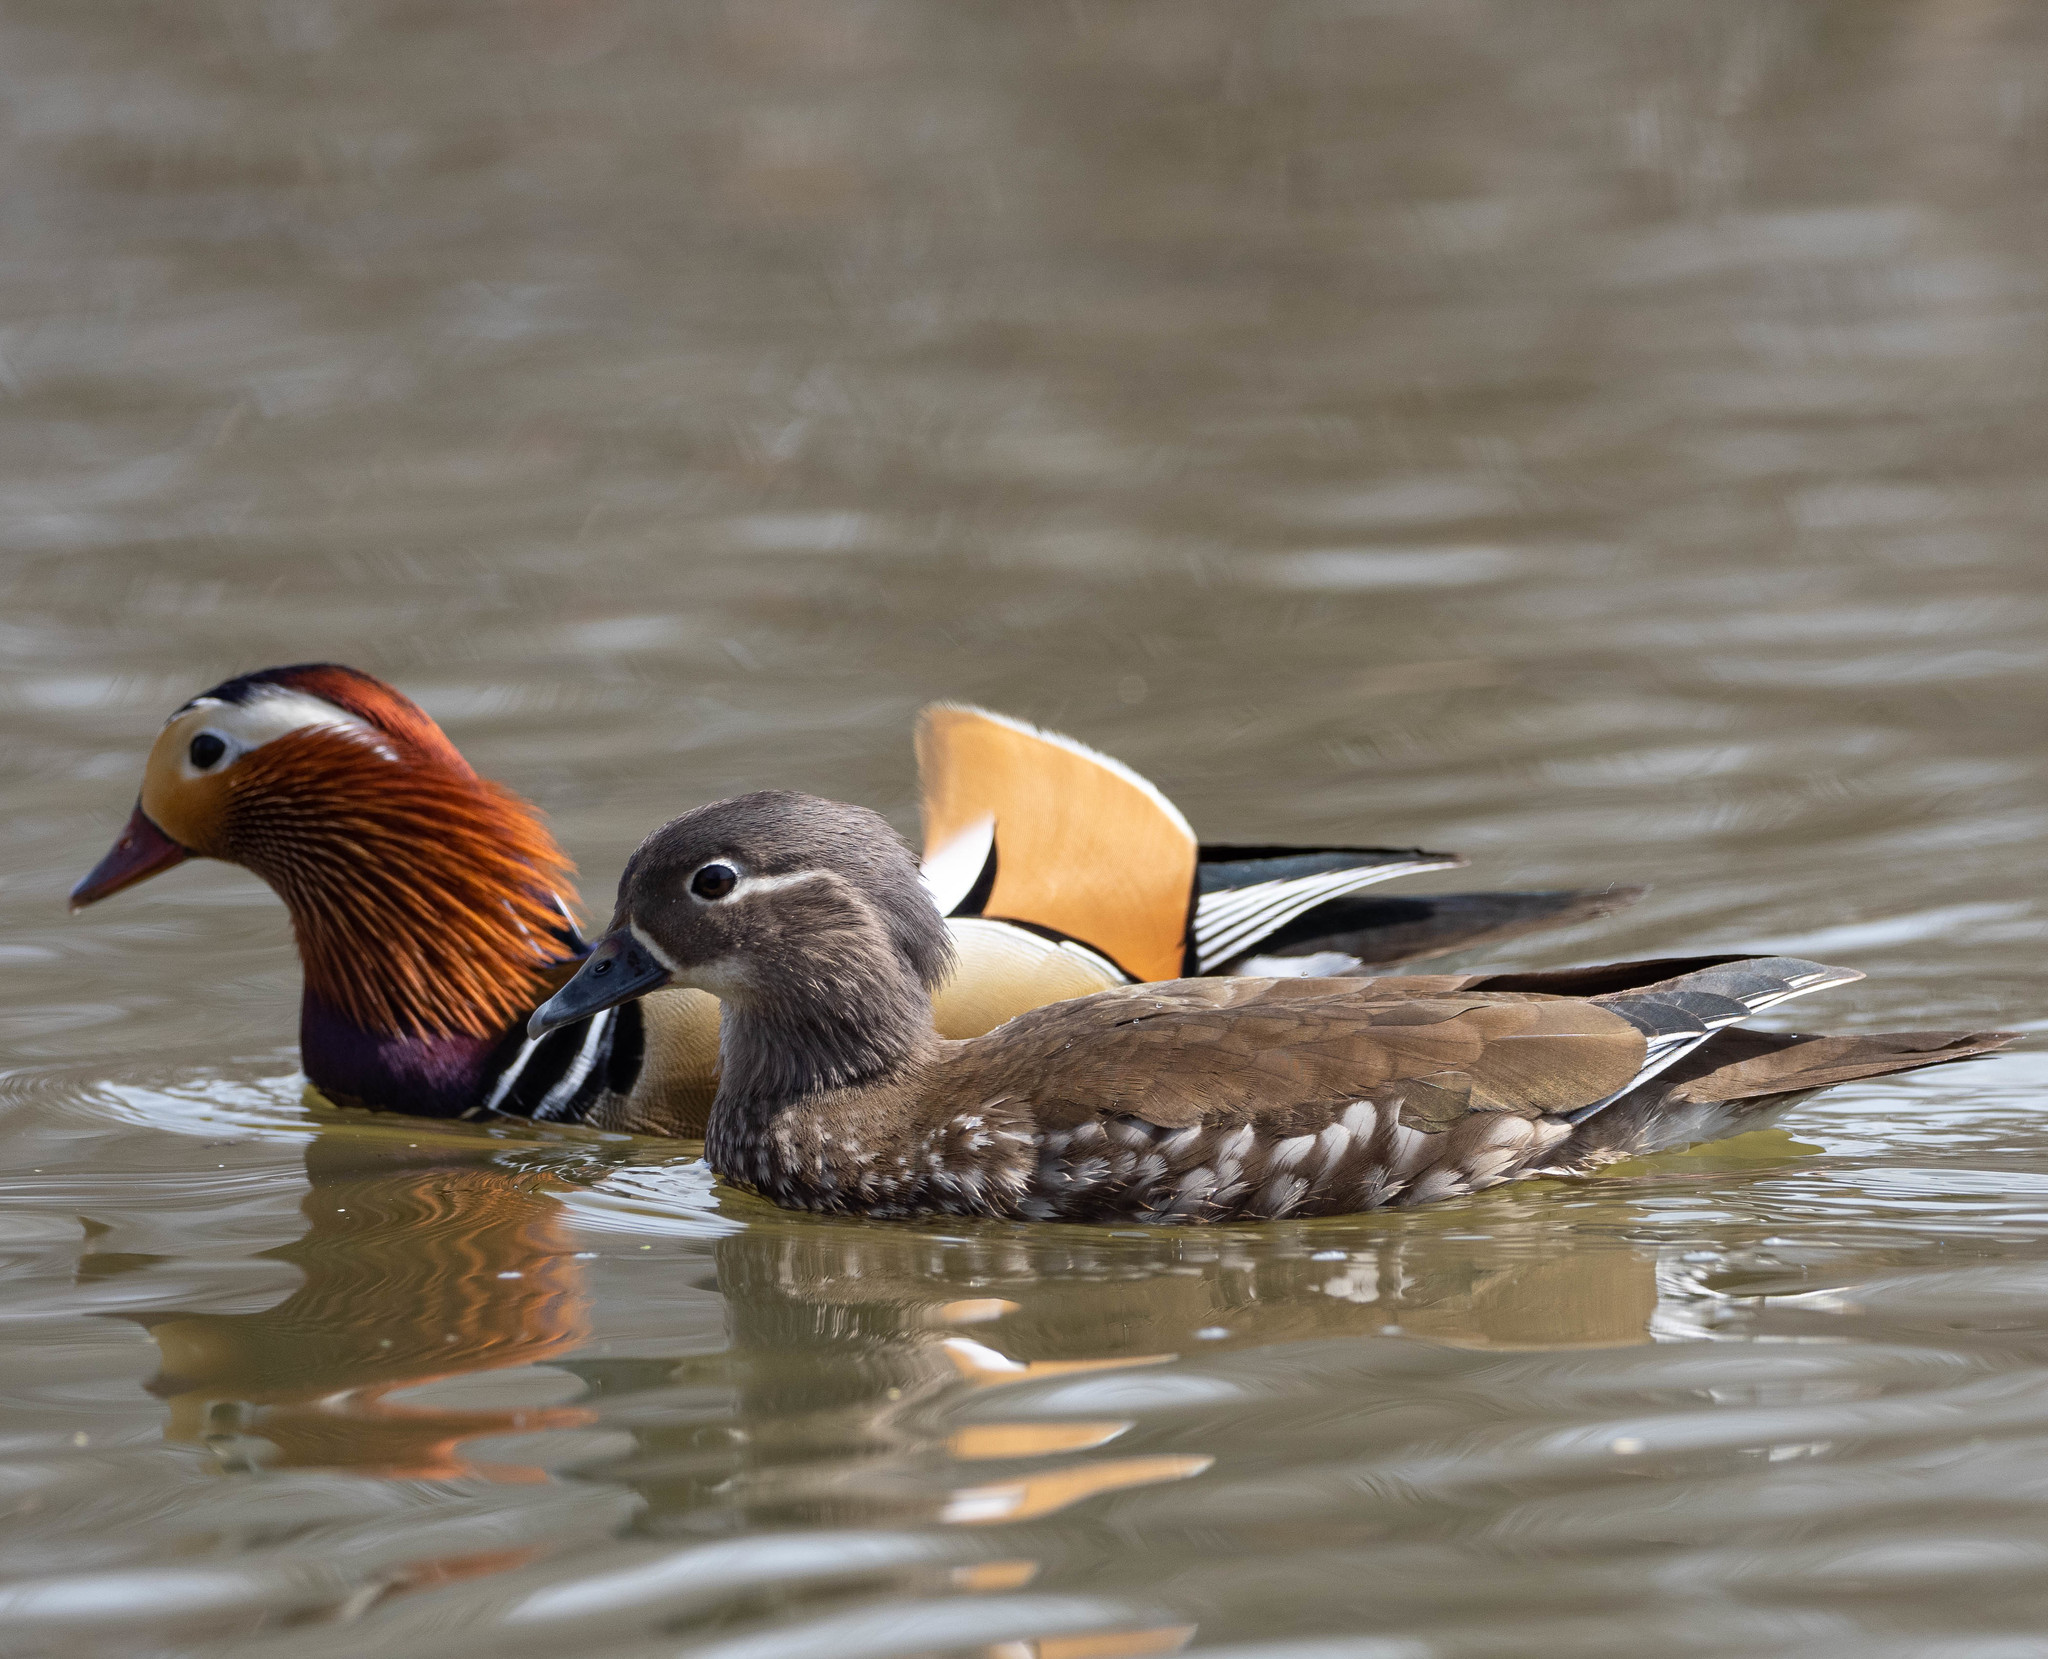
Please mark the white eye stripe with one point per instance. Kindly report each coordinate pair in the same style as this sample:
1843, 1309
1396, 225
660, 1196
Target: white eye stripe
267, 714
755, 884
770, 884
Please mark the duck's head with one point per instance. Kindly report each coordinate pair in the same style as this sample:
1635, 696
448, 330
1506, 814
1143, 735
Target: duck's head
769, 901
396, 860
306, 730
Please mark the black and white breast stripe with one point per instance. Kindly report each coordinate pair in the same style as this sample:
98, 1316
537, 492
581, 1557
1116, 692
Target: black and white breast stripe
562, 1077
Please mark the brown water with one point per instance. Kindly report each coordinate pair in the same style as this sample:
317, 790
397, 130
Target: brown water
1604, 438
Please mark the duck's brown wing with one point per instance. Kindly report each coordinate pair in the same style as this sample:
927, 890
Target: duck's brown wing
1204, 1099
1281, 1054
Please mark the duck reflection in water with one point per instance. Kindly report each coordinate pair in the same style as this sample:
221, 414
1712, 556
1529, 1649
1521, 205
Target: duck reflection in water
872, 1360
982, 1377
422, 1264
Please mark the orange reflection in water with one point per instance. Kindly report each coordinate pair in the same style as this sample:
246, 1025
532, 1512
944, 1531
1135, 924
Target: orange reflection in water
438, 1268
1108, 1644
1030, 1496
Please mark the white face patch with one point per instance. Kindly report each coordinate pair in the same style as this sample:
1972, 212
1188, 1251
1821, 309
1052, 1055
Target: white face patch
269, 713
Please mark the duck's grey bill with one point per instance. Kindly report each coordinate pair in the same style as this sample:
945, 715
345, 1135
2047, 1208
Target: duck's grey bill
617, 970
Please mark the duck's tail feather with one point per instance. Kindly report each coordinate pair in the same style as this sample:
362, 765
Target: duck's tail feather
1745, 1065
1378, 932
1740, 1080
1677, 1015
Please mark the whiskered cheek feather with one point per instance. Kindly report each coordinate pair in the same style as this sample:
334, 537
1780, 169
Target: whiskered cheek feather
423, 898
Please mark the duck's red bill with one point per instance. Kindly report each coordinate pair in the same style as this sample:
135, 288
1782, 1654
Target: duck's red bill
140, 853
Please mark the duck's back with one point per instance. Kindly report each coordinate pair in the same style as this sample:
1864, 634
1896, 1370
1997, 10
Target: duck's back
1230, 1052
1206, 1099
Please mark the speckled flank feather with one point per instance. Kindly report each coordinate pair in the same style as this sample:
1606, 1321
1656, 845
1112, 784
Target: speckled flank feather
1120, 1167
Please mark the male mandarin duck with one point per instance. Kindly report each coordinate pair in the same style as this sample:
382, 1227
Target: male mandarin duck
432, 908
1189, 1101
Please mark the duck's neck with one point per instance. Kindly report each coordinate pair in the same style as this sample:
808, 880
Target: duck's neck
806, 1037
426, 911
402, 1014
441, 1076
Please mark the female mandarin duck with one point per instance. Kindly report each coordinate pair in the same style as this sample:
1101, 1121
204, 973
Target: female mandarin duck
431, 907
1193, 1100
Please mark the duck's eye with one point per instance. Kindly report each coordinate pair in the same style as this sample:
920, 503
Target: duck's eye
206, 749
714, 881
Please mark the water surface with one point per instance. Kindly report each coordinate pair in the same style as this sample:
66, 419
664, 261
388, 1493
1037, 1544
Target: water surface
1601, 438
